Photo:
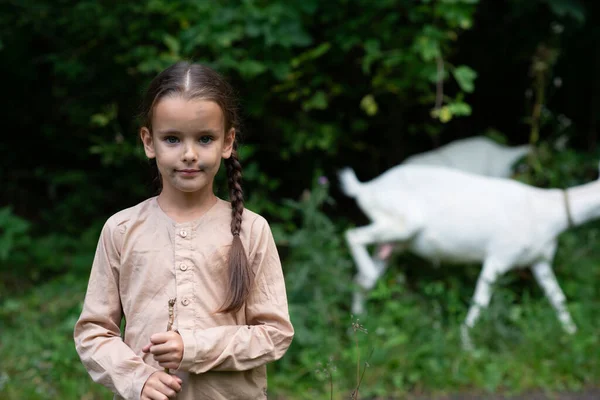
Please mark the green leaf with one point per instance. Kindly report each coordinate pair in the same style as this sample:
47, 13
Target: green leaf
99, 120
372, 54
465, 77
572, 8
445, 114
427, 47
459, 109
460, 1
251, 68
172, 44
311, 54
317, 101
369, 105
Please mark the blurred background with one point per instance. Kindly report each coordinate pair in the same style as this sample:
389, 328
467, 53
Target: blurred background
323, 85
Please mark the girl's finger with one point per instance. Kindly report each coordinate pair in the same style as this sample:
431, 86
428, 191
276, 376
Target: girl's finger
164, 358
168, 363
154, 394
159, 349
171, 381
159, 338
167, 391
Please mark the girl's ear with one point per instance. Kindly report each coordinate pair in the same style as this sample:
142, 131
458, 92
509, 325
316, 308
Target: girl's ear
146, 137
228, 143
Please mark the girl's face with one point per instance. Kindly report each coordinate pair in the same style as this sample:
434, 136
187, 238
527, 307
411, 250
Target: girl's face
188, 140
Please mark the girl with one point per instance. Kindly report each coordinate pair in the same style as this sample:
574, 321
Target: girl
187, 257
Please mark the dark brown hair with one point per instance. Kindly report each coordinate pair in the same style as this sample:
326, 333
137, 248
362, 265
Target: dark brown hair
197, 81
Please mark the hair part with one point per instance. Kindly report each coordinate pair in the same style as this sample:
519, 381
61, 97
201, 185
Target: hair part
197, 81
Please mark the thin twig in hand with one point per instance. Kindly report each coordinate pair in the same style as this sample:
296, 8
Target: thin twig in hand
171, 320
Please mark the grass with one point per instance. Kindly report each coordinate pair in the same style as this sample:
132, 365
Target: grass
38, 355
414, 317
413, 321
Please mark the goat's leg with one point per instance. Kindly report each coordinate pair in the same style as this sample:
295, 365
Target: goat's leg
368, 270
542, 271
481, 299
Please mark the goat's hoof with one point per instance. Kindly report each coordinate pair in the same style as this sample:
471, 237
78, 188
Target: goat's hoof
358, 310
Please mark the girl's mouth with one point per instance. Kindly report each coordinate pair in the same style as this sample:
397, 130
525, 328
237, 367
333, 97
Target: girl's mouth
188, 171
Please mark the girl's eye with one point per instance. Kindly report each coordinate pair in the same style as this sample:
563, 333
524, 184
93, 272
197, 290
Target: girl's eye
206, 139
171, 139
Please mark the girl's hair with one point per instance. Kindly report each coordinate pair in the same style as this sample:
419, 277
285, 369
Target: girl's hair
197, 81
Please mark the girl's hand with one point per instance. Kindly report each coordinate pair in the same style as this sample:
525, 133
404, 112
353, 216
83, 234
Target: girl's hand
167, 349
161, 386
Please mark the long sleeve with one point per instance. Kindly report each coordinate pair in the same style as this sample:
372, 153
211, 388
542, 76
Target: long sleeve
107, 358
268, 332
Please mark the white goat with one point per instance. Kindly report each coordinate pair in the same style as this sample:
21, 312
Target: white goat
479, 155
448, 215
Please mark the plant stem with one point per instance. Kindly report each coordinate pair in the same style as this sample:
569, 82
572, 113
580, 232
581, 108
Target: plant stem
439, 93
357, 365
171, 319
537, 108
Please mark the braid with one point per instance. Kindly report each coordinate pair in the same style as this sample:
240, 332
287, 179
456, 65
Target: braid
240, 278
236, 194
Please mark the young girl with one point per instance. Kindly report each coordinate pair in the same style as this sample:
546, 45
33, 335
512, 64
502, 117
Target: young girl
186, 257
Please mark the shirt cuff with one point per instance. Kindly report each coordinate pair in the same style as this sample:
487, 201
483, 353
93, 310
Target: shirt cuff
190, 349
139, 381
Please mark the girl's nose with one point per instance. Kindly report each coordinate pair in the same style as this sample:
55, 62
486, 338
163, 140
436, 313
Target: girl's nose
190, 154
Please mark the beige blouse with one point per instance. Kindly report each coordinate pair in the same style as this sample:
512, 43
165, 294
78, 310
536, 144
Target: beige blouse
143, 259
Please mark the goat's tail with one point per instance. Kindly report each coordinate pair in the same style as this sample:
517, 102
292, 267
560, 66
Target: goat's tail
521, 151
518, 152
349, 183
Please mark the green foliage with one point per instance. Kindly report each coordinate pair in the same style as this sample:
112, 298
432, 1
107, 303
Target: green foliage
13, 230
317, 269
571, 8
37, 258
554, 166
36, 345
306, 71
